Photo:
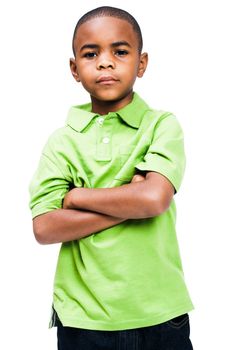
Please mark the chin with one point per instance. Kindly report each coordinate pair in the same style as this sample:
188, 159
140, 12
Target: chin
108, 97
111, 96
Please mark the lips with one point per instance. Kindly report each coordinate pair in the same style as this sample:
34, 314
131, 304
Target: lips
106, 79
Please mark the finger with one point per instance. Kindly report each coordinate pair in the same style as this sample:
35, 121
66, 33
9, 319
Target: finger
138, 178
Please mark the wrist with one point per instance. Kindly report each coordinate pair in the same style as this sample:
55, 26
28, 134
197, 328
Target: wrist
70, 200
75, 199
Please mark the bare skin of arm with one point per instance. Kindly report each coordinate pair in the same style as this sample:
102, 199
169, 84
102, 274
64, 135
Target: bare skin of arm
139, 199
63, 225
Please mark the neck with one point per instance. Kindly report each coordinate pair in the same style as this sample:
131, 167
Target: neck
104, 107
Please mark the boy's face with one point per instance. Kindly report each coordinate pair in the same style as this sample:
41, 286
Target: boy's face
107, 60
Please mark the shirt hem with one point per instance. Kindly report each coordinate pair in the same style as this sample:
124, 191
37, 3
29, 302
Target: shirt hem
124, 325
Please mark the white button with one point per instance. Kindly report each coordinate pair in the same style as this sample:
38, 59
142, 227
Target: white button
100, 120
105, 140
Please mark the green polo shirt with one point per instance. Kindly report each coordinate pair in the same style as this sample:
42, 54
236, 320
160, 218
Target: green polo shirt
129, 275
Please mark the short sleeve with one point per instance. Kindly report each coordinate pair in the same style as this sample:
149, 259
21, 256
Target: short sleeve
47, 188
166, 152
52, 179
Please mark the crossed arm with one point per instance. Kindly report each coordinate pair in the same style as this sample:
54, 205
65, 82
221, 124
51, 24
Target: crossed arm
86, 211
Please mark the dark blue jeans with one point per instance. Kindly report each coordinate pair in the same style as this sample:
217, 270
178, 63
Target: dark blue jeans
171, 335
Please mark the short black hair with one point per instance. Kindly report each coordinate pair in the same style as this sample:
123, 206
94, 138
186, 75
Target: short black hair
108, 11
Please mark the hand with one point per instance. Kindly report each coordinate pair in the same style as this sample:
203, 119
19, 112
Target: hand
138, 178
68, 199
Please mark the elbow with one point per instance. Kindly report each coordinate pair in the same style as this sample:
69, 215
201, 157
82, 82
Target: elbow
158, 203
159, 194
40, 231
39, 234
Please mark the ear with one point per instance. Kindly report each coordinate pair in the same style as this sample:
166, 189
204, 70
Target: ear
74, 70
142, 64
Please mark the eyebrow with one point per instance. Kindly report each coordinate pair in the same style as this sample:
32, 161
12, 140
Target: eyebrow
120, 43
115, 44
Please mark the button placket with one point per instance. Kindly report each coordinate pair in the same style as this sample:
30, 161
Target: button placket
100, 120
105, 140
103, 152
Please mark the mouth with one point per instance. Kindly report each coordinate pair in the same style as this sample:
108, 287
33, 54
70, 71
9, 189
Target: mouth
106, 80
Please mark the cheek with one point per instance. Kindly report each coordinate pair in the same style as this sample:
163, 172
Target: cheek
131, 69
131, 73
85, 72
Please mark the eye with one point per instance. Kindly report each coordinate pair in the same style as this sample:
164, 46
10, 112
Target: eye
90, 54
121, 52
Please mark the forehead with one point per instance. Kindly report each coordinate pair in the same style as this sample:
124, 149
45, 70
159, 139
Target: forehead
104, 31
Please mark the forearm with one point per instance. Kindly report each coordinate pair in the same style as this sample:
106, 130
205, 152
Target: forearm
127, 201
139, 199
63, 225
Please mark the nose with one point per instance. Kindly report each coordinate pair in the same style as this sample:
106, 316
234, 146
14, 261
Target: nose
105, 62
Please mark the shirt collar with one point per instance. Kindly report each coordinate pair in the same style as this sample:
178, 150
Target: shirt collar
80, 116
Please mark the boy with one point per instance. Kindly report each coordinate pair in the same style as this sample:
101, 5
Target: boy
104, 188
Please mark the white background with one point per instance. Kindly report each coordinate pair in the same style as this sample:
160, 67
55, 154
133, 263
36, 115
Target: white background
193, 73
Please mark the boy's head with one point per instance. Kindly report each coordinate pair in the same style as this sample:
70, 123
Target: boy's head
108, 11
107, 46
